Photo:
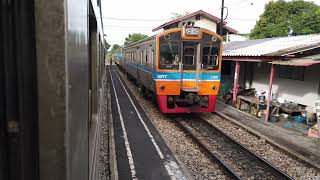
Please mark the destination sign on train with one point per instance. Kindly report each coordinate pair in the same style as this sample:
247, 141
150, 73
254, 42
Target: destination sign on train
192, 31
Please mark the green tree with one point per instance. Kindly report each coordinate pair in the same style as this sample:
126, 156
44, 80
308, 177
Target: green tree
282, 18
135, 37
114, 50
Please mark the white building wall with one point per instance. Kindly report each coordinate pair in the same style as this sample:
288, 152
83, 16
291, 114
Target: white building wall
302, 92
203, 23
235, 37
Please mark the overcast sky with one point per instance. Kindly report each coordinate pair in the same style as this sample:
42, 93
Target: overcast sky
122, 17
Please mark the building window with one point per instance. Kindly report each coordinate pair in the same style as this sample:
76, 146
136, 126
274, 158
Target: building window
291, 72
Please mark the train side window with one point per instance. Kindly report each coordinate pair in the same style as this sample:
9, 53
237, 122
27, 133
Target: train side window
133, 59
210, 57
141, 57
152, 58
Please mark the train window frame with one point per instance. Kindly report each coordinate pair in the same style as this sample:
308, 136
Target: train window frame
131, 56
166, 59
193, 55
141, 57
190, 45
215, 57
146, 56
152, 58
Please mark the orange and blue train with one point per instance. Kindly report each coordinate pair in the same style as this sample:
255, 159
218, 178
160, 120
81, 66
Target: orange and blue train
181, 67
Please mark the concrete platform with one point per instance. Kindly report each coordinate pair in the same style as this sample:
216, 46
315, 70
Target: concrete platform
297, 144
141, 153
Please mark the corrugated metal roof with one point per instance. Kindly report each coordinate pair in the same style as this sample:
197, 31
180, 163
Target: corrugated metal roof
305, 61
278, 46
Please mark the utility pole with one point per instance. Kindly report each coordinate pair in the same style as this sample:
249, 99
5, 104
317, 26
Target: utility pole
221, 21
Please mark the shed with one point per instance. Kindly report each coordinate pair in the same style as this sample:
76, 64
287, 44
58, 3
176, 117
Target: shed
292, 51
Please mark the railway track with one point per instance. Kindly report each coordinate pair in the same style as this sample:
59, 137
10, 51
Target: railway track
236, 160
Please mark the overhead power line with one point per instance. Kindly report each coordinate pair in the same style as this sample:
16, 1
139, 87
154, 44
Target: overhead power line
238, 4
237, 19
129, 27
119, 29
131, 19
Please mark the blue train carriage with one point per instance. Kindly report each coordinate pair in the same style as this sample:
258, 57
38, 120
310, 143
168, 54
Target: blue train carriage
117, 58
180, 66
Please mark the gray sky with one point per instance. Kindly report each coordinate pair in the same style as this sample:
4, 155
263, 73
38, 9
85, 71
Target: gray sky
150, 13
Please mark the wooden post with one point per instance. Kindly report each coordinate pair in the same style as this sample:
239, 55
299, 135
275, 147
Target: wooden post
269, 98
235, 83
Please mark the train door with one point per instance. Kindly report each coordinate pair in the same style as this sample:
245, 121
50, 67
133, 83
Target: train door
3, 135
190, 66
18, 92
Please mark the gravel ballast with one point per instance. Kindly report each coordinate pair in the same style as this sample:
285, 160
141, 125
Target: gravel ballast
280, 159
103, 159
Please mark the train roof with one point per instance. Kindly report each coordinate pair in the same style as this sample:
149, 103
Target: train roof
140, 42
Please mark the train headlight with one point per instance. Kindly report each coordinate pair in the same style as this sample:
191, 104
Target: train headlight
214, 87
214, 39
162, 87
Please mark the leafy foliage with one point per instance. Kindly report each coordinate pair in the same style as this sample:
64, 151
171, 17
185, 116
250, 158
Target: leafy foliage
135, 37
282, 18
114, 50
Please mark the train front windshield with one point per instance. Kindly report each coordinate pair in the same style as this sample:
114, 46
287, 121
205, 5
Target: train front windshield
170, 45
190, 53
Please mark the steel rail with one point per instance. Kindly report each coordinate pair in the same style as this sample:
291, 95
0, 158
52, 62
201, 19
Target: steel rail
250, 151
228, 169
